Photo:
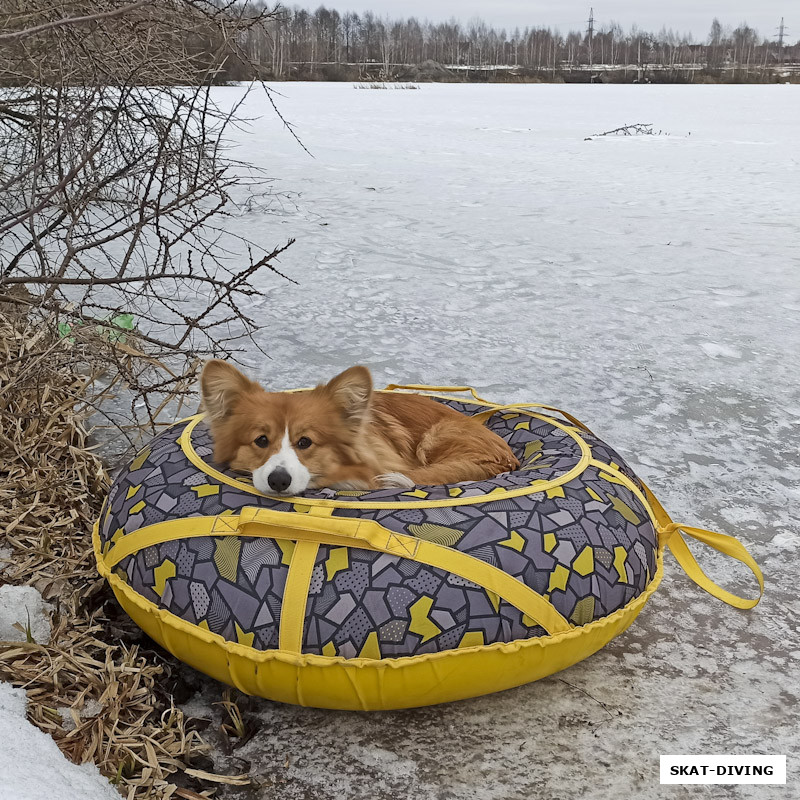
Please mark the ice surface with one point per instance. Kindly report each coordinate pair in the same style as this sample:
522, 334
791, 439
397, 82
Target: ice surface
469, 234
23, 605
651, 286
31, 765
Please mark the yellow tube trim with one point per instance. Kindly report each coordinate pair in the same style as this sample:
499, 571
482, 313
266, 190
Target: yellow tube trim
185, 442
370, 684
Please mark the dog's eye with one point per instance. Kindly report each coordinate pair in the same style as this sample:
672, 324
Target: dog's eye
262, 441
304, 442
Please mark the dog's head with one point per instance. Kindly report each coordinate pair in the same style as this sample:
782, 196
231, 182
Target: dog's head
290, 441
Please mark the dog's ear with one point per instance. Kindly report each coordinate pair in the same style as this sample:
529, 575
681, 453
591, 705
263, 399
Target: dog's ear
220, 385
352, 392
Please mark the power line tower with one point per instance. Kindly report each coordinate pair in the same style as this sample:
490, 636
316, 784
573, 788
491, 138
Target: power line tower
590, 32
781, 32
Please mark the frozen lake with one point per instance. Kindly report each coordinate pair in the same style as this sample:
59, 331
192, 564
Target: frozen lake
651, 286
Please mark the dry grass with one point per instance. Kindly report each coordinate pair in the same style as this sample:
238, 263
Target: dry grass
51, 488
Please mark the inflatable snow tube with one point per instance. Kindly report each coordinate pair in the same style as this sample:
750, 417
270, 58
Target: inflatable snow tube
392, 598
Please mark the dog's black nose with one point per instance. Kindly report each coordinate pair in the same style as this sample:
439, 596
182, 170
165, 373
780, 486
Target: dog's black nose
279, 479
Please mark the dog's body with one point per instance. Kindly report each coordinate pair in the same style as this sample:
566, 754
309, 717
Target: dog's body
343, 435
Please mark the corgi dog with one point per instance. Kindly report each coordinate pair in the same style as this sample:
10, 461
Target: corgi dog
343, 435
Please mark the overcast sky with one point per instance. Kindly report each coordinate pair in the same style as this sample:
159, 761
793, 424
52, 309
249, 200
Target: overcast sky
681, 15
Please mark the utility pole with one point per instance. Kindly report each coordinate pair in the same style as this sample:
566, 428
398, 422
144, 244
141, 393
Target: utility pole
781, 31
590, 32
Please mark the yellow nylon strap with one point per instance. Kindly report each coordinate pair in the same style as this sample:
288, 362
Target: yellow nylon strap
348, 532
483, 416
724, 544
295, 597
421, 387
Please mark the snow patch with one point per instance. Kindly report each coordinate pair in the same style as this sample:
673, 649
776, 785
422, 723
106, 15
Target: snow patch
786, 539
717, 350
90, 709
377, 757
25, 606
31, 765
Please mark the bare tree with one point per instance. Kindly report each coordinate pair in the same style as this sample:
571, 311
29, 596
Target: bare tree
115, 184
303, 43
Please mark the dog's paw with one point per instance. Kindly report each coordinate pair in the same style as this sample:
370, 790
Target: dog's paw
394, 480
349, 486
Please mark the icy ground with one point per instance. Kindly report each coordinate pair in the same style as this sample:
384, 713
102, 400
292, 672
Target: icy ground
650, 285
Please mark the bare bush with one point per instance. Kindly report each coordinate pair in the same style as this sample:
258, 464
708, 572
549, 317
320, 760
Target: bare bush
115, 186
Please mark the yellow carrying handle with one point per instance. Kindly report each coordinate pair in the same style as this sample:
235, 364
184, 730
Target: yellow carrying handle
720, 542
324, 529
372, 535
421, 387
482, 416
321, 528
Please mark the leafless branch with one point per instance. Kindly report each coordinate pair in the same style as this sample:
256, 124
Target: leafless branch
116, 189
115, 12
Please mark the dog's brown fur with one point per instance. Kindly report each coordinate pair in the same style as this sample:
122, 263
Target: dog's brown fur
361, 439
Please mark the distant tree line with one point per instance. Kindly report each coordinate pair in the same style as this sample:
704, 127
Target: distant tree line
326, 44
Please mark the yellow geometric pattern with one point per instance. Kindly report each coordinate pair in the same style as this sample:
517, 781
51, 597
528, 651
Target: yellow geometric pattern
287, 550
620, 557
329, 649
117, 535
584, 563
583, 612
242, 637
421, 624
514, 541
472, 639
549, 542
558, 578
162, 573
371, 648
624, 509
205, 489
607, 476
531, 448
138, 462
593, 494
338, 560
438, 534
226, 556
